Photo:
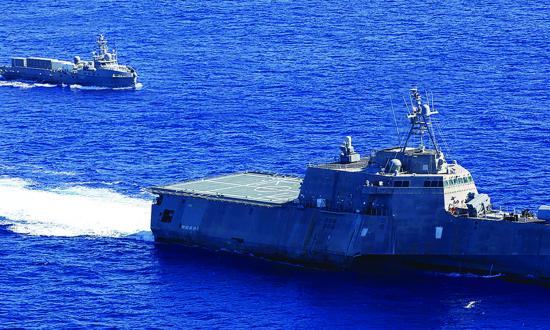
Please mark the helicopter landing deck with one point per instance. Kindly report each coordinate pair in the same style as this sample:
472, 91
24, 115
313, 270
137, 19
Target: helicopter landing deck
249, 186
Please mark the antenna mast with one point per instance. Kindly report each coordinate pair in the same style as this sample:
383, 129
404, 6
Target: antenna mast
421, 122
102, 44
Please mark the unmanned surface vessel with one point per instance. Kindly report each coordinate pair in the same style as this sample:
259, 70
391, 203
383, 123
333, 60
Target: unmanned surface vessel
402, 204
103, 70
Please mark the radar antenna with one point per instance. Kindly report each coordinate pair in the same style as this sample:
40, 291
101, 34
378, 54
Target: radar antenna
102, 44
103, 55
421, 122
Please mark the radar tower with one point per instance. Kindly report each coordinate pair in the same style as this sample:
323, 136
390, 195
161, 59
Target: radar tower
421, 122
104, 55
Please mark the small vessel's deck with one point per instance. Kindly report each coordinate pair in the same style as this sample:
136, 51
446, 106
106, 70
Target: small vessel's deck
249, 186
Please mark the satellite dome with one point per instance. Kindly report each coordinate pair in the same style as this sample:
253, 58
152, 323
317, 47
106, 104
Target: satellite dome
394, 166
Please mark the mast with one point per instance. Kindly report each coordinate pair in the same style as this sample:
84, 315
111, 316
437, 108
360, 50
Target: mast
103, 54
421, 122
102, 44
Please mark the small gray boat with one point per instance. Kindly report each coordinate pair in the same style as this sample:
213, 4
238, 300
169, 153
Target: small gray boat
102, 71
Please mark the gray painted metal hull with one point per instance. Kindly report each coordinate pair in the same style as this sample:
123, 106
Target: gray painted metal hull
404, 204
101, 78
318, 237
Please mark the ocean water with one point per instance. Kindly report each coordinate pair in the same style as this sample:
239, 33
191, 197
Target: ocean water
271, 85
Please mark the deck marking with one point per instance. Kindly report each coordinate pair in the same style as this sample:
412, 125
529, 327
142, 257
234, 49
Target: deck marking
255, 187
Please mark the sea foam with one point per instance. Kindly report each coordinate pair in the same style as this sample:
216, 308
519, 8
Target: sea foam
23, 85
72, 211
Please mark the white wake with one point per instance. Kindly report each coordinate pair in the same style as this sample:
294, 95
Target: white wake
86, 88
75, 87
138, 86
22, 85
72, 211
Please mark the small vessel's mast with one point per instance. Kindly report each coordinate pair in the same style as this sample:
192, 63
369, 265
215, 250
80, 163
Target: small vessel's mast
104, 54
421, 122
102, 44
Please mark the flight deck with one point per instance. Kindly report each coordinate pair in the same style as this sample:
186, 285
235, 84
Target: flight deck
248, 186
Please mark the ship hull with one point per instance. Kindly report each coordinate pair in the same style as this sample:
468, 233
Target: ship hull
89, 78
344, 240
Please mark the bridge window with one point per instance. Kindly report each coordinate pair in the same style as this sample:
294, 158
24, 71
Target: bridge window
433, 183
377, 211
401, 183
458, 181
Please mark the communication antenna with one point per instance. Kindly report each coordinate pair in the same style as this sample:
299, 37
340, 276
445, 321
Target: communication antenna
395, 122
421, 122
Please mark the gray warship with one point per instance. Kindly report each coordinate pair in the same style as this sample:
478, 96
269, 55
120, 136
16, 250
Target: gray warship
405, 205
102, 71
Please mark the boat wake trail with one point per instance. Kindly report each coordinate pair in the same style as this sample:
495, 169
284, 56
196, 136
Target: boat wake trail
137, 87
470, 275
74, 87
72, 211
87, 88
23, 85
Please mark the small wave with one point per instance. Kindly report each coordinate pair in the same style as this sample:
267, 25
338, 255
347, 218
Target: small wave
44, 85
37, 169
7, 167
470, 275
145, 235
137, 87
72, 211
471, 304
23, 85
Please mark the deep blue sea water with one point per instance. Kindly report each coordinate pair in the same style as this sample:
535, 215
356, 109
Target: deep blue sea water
270, 85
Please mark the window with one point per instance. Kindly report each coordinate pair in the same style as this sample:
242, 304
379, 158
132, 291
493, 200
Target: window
433, 184
401, 183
